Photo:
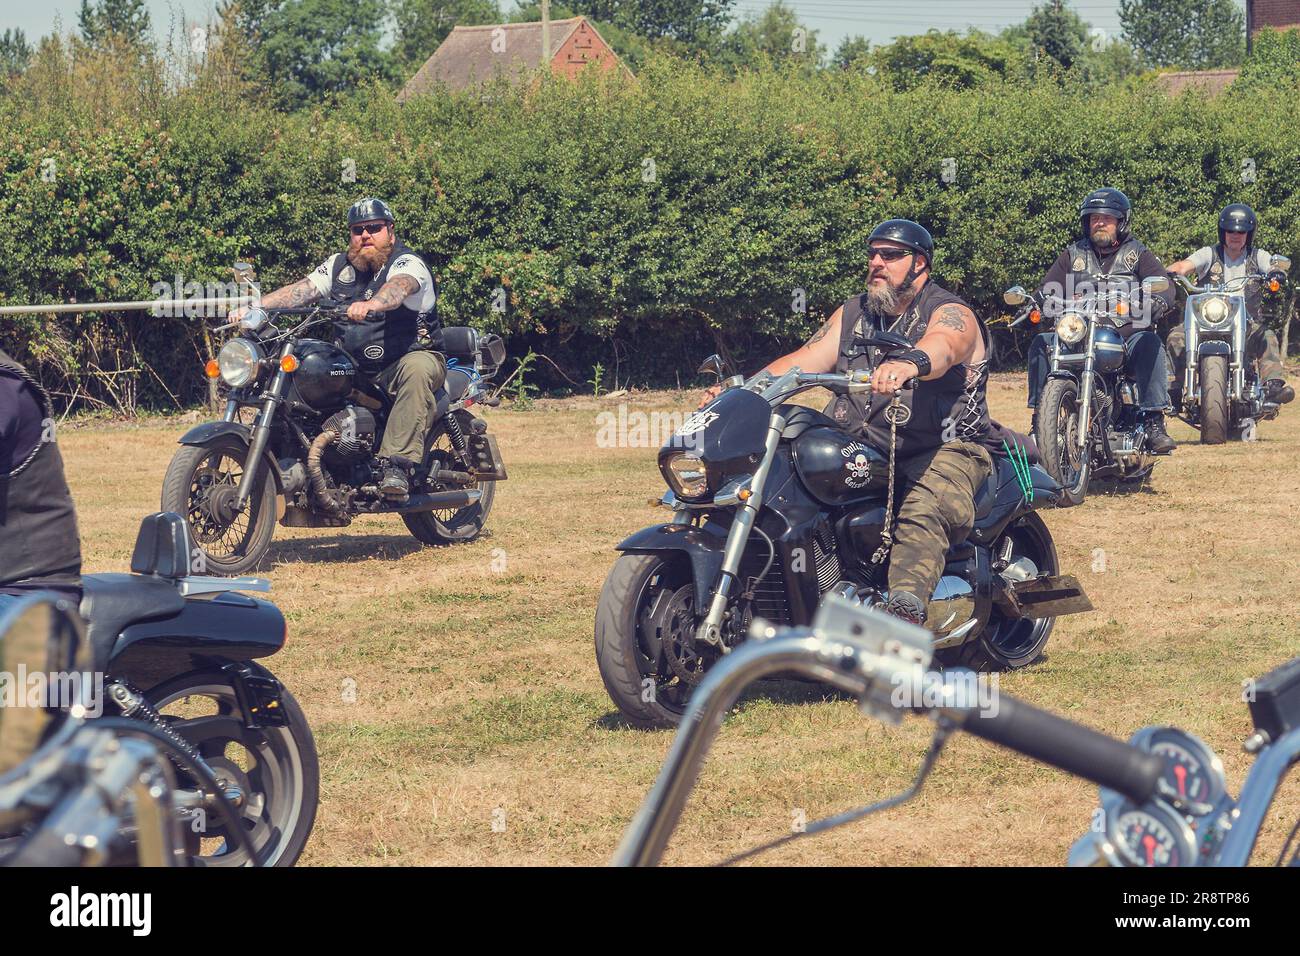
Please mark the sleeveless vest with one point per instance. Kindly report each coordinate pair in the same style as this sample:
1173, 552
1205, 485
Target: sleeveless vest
39, 543
1217, 269
950, 408
383, 337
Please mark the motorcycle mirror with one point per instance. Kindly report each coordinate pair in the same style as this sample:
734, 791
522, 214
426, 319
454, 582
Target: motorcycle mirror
1155, 284
1280, 263
713, 364
254, 319
244, 272
1016, 295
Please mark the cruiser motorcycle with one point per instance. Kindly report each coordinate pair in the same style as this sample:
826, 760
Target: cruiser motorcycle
310, 459
1164, 801
1222, 393
1088, 423
774, 507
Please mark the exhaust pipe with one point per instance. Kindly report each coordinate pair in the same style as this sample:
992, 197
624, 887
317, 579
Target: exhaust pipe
435, 502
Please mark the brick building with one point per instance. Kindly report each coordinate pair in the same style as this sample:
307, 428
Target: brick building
1279, 14
474, 55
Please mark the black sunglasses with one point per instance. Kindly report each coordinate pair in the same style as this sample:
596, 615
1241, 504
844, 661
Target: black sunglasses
889, 254
374, 228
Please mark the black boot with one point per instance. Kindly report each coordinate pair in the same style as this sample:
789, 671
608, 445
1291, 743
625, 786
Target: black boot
1278, 391
394, 484
1157, 438
906, 606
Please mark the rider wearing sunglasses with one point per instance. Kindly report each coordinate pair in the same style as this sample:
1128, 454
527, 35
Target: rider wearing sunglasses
393, 331
942, 458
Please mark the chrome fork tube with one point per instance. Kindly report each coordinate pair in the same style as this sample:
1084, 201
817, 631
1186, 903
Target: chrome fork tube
262, 432
710, 629
1192, 361
1238, 359
1085, 388
1257, 793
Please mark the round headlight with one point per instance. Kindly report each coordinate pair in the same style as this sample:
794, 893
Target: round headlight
1071, 328
1214, 309
685, 475
238, 361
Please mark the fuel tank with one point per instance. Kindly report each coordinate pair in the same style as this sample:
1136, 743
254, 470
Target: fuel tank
325, 375
838, 469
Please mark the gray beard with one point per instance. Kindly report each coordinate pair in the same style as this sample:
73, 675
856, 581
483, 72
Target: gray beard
890, 300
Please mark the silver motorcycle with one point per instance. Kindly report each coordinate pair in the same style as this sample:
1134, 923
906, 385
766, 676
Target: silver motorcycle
1222, 393
1164, 800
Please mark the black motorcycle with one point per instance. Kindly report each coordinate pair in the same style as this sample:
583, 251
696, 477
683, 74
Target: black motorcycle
775, 506
312, 447
1089, 424
177, 653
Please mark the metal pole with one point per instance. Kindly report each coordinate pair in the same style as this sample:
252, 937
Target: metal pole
546, 32
151, 305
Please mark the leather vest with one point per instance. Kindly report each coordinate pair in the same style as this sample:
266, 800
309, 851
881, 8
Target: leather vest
950, 408
383, 337
1254, 291
1085, 264
39, 542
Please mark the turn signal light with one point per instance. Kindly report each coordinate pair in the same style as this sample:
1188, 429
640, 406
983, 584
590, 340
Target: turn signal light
744, 494
289, 363
1274, 285
1035, 317
211, 369
1121, 308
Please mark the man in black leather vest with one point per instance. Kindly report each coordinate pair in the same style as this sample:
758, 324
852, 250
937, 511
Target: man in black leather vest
1234, 256
943, 458
1106, 255
392, 330
40, 548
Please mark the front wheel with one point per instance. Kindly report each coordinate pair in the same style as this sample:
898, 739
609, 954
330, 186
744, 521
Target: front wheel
1058, 438
451, 525
1214, 399
201, 484
645, 627
275, 769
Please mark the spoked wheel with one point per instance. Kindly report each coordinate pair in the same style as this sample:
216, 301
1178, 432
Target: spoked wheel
645, 625
1058, 438
202, 483
450, 525
274, 768
1008, 643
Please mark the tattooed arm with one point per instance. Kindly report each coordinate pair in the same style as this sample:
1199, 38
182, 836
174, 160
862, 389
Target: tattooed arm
389, 296
292, 296
951, 338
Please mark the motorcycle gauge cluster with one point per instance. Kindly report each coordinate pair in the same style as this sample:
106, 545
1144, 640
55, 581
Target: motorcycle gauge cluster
1194, 781
1152, 835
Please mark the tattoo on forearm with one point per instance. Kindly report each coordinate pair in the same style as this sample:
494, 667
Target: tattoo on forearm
300, 293
393, 292
951, 316
820, 333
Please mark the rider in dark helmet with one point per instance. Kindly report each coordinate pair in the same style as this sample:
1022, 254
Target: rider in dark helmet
1106, 256
1234, 256
392, 330
943, 447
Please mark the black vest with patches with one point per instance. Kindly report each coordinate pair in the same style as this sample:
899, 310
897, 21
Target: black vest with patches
952, 407
1254, 290
1085, 264
383, 337
39, 543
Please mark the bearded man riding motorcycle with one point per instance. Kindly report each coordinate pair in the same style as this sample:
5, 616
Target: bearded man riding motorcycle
392, 331
1234, 256
1106, 256
942, 462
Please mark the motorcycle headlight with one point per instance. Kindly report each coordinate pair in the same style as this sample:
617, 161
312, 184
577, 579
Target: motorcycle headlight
238, 361
685, 475
1213, 310
1071, 328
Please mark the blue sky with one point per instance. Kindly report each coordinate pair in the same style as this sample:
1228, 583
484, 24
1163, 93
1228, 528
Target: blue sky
878, 20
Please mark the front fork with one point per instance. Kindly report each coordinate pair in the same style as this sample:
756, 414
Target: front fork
710, 629
262, 430
1085, 393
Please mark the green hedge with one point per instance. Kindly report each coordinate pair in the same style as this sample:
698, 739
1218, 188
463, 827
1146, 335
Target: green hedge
762, 186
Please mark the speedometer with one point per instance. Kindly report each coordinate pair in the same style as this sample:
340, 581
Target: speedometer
1151, 836
1193, 780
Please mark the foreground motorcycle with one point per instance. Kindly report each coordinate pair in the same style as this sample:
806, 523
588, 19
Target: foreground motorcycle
313, 444
1222, 392
1088, 423
178, 653
774, 506
1163, 798
79, 792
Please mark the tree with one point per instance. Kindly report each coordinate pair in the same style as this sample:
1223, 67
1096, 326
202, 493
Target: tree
777, 35
15, 53
1274, 61
1058, 32
311, 49
421, 25
958, 60
852, 53
1194, 34
101, 20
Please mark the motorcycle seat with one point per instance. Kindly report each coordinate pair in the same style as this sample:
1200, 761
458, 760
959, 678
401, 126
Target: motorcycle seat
110, 602
453, 389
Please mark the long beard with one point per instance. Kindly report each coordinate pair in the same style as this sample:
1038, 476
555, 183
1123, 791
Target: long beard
1104, 239
891, 299
369, 258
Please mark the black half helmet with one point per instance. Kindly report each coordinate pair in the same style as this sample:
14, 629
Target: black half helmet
368, 210
906, 233
1238, 217
1110, 202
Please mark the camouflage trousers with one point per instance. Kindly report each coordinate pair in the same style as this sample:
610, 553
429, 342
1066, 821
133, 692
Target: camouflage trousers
1261, 345
411, 382
937, 510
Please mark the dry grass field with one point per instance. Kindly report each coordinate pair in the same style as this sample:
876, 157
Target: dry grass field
477, 690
